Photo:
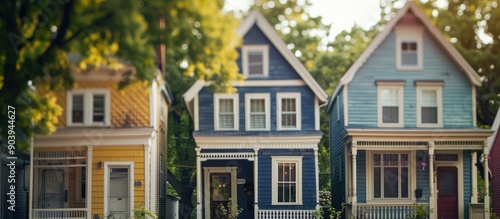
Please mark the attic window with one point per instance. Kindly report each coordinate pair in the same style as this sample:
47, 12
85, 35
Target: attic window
255, 60
88, 107
409, 48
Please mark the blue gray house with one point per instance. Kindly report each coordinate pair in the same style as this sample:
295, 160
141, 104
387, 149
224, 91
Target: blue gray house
403, 125
258, 146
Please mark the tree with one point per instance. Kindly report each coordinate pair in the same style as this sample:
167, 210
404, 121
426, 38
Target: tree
467, 24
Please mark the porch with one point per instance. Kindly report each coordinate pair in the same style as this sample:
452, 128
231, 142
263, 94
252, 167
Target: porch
60, 186
286, 214
381, 211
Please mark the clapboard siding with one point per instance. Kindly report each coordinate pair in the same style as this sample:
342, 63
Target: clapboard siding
494, 164
279, 68
422, 175
206, 105
337, 152
308, 178
457, 90
361, 176
466, 158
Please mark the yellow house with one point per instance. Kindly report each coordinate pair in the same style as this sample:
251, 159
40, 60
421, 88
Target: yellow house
108, 155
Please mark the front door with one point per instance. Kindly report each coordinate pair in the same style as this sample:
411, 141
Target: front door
118, 196
447, 193
220, 192
52, 189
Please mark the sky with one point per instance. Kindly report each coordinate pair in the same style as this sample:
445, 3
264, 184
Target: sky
343, 14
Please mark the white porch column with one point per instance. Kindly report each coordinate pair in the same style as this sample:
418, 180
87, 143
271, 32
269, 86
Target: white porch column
474, 176
432, 191
354, 153
30, 198
486, 181
199, 190
317, 177
88, 182
256, 182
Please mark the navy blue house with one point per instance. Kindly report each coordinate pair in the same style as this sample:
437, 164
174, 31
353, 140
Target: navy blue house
258, 146
403, 126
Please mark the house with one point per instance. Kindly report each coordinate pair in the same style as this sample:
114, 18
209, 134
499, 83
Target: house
403, 125
108, 155
258, 146
494, 165
14, 171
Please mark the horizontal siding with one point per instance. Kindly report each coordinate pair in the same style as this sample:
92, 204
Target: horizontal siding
467, 160
494, 164
361, 176
457, 94
422, 176
337, 152
115, 153
206, 105
308, 179
279, 68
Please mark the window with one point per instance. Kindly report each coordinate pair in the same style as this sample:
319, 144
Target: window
429, 110
88, 107
390, 175
255, 60
390, 104
409, 51
287, 180
257, 111
288, 111
226, 111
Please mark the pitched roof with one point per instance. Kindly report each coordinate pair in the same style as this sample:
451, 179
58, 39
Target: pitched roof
433, 30
256, 18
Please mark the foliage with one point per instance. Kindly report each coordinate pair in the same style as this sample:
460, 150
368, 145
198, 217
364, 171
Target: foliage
419, 212
142, 213
325, 198
475, 34
231, 212
331, 212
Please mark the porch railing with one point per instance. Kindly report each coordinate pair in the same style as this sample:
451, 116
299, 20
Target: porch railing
380, 211
286, 214
73, 213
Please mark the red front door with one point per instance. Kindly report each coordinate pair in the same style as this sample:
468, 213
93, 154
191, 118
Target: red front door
447, 193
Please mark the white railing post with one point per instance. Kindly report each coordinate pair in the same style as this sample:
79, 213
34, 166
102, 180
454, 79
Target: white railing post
486, 181
256, 182
88, 182
198, 183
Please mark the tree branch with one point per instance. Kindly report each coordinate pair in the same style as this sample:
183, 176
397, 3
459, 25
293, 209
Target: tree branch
174, 182
88, 27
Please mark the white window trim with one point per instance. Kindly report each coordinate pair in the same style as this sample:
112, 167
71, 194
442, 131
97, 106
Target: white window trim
399, 87
78, 183
439, 93
411, 179
119, 164
234, 194
265, 61
409, 34
286, 159
298, 104
88, 107
235, 98
267, 100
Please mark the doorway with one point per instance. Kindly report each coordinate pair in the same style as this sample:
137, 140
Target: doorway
53, 191
118, 190
447, 202
219, 189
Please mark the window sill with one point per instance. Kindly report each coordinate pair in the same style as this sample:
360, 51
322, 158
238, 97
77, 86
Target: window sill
223, 130
410, 68
289, 129
390, 125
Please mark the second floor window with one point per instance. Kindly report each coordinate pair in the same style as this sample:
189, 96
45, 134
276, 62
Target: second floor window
429, 104
288, 111
226, 111
257, 111
390, 104
88, 107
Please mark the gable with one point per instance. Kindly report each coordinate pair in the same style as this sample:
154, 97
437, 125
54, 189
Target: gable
279, 68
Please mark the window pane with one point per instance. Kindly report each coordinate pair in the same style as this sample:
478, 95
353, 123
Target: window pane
429, 114
98, 112
255, 63
77, 112
281, 189
390, 114
293, 172
389, 97
391, 182
404, 160
404, 182
429, 98
257, 105
376, 159
293, 192
288, 105
257, 114
226, 114
257, 121
409, 55
391, 159
288, 120
280, 172
376, 182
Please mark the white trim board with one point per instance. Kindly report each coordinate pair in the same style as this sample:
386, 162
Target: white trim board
298, 105
236, 111
95, 137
